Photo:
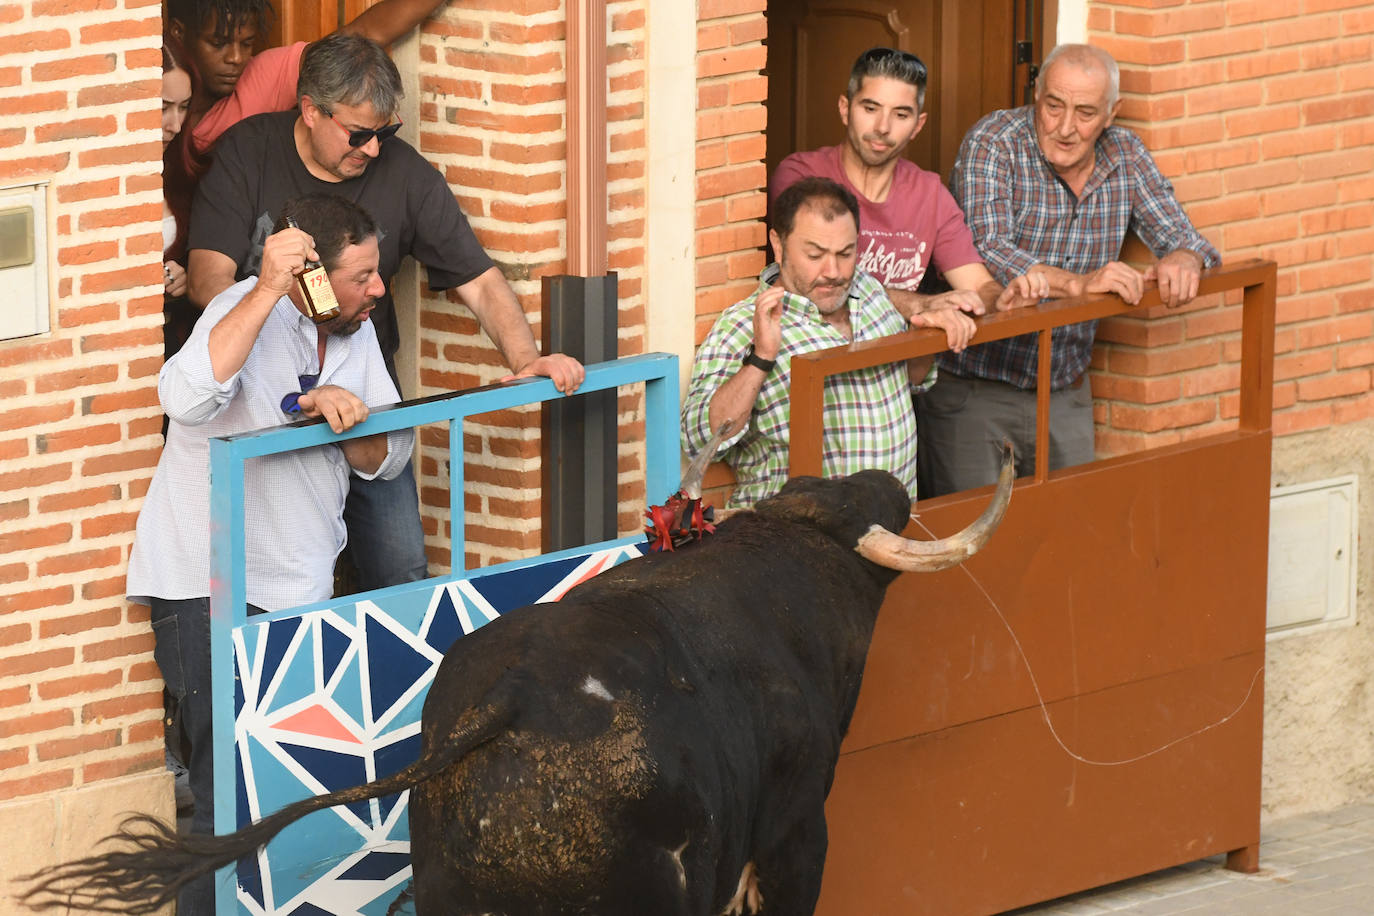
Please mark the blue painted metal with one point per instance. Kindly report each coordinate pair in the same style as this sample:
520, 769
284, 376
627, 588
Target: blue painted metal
412, 607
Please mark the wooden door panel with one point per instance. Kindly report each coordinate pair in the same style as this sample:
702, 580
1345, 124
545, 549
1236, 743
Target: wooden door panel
968, 47
307, 20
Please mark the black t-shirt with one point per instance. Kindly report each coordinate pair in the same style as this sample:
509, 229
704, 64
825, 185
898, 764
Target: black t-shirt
257, 169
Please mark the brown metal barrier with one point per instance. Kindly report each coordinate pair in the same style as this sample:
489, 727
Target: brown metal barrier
1082, 701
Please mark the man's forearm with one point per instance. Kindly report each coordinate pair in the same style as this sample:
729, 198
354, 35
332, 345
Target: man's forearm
366, 454
734, 401
232, 339
497, 310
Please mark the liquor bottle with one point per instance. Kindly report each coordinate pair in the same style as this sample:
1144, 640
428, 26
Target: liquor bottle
315, 289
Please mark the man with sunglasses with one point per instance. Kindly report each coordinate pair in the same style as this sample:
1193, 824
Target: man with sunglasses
341, 141
909, 222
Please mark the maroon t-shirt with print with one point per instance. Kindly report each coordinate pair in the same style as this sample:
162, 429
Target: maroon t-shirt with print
919, 225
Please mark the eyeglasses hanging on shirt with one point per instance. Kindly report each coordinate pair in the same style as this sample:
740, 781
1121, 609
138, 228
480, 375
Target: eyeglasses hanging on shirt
291, 403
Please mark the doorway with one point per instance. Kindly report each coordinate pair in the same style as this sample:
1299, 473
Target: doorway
980, 53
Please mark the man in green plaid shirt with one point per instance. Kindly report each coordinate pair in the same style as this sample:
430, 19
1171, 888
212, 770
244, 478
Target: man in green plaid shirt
812, 299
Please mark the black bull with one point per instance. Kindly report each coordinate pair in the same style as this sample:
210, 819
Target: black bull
661, 741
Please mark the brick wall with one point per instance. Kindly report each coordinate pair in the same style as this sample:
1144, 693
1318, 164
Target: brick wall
80, 697
1260, 113
731, 175
493, 106
80, 430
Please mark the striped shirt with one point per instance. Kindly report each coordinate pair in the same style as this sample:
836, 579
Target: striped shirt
868, 417
1022, 214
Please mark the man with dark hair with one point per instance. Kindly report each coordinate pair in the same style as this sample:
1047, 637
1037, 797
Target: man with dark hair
220, 37
342, 141
812, 299
1050, 190
909, 222
256, 360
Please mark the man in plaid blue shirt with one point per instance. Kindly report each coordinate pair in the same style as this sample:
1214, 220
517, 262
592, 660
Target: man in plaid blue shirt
1051, 189
812, 299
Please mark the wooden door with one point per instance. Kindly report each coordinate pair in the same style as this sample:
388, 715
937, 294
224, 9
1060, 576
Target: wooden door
968, 46
306, 20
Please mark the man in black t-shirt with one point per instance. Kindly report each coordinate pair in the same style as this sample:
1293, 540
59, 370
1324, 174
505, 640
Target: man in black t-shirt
341, 141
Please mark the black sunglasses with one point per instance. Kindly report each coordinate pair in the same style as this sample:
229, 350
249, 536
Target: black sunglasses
362, 136
874, 55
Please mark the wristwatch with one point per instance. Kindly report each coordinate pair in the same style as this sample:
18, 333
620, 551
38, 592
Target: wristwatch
758, 362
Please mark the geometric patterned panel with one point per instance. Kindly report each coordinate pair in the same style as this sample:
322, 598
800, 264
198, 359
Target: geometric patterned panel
331, 698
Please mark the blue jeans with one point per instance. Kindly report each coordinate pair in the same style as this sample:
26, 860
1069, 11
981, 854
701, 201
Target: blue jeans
385, 540
182, 652
181, 630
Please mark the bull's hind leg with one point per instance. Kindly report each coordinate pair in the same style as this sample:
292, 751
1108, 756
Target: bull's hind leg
788, 875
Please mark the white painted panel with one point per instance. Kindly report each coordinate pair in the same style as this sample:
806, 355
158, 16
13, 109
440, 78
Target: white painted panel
24, 256
1312, 562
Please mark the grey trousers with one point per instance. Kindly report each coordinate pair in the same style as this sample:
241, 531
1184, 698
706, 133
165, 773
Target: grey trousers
961, 422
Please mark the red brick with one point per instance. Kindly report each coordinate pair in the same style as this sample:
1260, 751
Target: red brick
28, 42
108, 767
121, 461
104, 434
103, 588
125, 400
119, 340
81, 684
33, 662
120, 707
141, 644
26, 478
37, 723
60, 748
38, 784
34, 599
1340, 385
68, 68
26, 417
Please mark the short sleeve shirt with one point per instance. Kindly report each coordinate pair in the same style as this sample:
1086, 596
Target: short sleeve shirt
918, 226
257, 169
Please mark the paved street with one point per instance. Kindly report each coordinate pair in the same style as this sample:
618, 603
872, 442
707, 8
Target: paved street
1319, 863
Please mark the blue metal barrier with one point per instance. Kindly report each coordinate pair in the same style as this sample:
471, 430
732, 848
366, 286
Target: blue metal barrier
289, 671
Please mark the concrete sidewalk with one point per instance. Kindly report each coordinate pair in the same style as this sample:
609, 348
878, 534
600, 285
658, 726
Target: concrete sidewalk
1318, 863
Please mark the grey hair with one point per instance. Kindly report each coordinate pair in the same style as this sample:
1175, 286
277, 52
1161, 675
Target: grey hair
347, 69
891, 64
1084, 56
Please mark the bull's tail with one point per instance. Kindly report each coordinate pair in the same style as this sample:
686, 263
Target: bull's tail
148, 876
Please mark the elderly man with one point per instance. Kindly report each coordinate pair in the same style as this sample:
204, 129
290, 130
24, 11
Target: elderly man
256, 360
909, 223
812, 299
342, 141
1049, 190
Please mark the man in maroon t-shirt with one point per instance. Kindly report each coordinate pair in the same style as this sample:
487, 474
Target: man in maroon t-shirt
908, 222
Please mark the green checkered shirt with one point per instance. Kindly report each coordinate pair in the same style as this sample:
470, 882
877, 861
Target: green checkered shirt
868, 420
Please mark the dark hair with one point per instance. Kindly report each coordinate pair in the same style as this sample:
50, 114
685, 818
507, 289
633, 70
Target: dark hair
334, 223
343, 68
828, 197
227, 15
182, 166
892, 64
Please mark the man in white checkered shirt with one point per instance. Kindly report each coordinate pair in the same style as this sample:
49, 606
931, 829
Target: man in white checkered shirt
811, 300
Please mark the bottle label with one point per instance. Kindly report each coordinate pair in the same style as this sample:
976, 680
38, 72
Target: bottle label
319, 295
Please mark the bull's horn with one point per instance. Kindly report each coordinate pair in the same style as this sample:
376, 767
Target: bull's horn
696, 471
897, 552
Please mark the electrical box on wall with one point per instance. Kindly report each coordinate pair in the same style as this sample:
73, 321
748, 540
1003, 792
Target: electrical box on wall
24, 261
1312, 562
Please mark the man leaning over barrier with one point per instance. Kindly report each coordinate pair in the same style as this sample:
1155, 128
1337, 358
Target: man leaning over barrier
255, 360
1050, 189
